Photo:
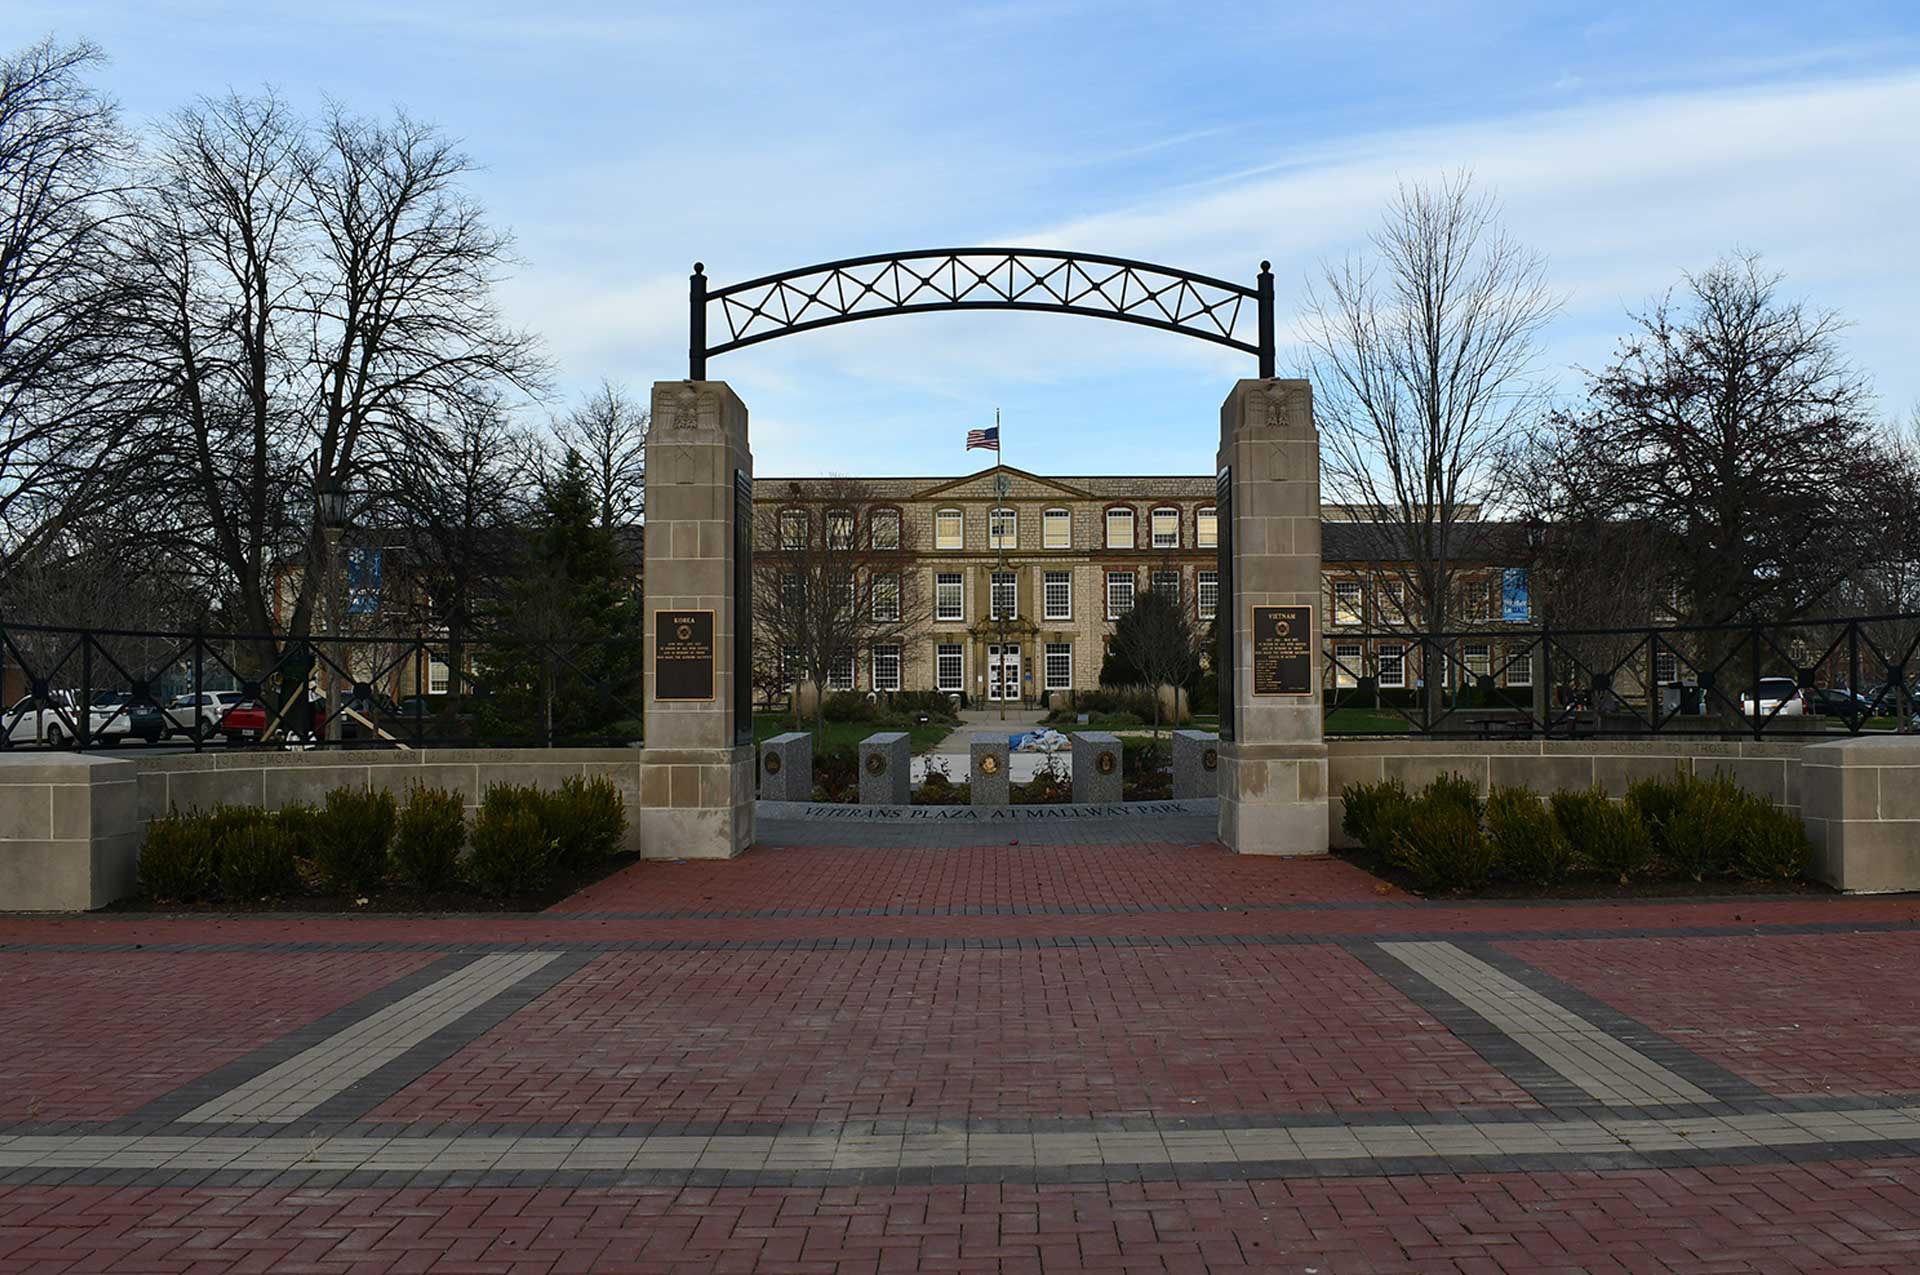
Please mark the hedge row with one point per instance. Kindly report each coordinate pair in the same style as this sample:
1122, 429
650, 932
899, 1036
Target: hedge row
1681, 827
520, 840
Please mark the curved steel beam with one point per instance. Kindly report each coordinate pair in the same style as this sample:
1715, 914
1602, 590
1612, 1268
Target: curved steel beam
940, 279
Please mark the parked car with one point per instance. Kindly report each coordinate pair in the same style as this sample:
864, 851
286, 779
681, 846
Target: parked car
1779, 697
54, 720
1884, 700
1838, 701
133, 719
213, 705
246, 720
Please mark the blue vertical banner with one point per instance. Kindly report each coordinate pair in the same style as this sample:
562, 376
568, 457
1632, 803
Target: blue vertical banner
1515, 605
363, 581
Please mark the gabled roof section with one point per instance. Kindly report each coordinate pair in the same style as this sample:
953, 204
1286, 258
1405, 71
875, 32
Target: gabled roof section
1020, 483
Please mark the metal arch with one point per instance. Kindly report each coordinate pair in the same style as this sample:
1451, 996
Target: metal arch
939, 279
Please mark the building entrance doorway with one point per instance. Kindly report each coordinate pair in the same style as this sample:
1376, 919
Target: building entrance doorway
1003, 672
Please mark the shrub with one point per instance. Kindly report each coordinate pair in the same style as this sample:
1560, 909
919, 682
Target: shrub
1698, 825
1443, 847
256, 860
836, 774
1376, 814
427, 836
1527, 841
1658, 801
1453, 790
512, 852
1616, 841
1773, 844
849, 706
298, 822
179, 860
1574, 809
934, 704
352, 837
585, 820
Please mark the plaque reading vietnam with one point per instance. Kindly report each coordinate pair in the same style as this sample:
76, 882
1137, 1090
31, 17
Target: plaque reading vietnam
1283, 650
682, 655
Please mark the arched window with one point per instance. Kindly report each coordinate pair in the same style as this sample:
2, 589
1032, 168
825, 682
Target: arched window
1206, 528
793, 529
1120, 527
949, 529
1165, 527
883, 529
1056, 529
1003, 529
840, 529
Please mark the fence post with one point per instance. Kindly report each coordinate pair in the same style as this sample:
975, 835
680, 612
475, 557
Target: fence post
199, 686
83, 714
1856, 713
1753, 648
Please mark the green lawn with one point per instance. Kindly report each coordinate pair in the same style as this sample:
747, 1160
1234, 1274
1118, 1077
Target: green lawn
1366, 721
849, 734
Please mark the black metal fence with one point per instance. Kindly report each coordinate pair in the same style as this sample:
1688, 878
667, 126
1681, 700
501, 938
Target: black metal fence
82, 689
1804, 677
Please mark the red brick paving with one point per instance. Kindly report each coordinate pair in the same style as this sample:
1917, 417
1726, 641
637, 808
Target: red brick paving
976, 876
956, 1034
1844, 1215
96, 1035
1795, 1014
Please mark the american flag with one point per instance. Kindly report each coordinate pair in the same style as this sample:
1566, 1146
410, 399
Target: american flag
988, 438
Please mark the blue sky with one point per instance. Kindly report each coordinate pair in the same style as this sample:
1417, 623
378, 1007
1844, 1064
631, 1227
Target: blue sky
1628, 142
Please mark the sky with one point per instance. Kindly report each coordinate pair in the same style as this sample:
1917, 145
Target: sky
1629, 143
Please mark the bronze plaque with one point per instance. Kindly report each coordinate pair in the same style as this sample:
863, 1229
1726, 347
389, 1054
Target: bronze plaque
683, 655
1283, 650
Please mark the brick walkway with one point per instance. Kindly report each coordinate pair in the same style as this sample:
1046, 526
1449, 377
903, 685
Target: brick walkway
1060, 1055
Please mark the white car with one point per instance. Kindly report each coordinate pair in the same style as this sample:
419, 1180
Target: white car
213, 706
54, 721
1779, 697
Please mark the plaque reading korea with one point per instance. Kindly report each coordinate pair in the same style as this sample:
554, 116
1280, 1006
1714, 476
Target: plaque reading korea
1283, 650
682, 655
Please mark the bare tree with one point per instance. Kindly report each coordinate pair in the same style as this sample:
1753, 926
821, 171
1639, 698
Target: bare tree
1422, 359
1157, 640
63, 420
1731, 421
609, 430
311, 299
832, 581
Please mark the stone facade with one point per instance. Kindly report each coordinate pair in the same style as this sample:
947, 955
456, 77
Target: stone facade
886, 769
1861, 801
1196, 764
1099, 767
786, 767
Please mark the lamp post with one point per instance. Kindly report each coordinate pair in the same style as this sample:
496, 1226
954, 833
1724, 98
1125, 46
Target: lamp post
330, 497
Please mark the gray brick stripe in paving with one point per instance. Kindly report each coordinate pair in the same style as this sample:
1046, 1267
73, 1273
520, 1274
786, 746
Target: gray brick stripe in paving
1330, 1147
323, 1071
1605, 1068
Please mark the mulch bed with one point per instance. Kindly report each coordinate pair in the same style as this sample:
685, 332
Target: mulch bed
392, 898
1593, 886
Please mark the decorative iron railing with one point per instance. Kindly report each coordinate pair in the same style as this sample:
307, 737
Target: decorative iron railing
1850, 675
91, 688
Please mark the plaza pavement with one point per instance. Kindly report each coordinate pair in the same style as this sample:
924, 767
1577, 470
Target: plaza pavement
1104, 1045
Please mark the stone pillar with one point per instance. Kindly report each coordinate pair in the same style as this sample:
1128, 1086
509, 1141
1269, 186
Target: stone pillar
70, 831
786, 767
987, 777
1860, 799
886, 769
1273, 761
1196, 763
696, 772
1099, 766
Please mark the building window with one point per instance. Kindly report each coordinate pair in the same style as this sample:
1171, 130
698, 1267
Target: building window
886, 668
793, 593
1347, 606
1119, 528
1003, 529
840, 673
1346, 663
949, 529
1119, 593
1167, 585
949, 667
1520, 669
793, 529
1209, 588
949, 596
1056, 529
886, 597
1666, 668
791, 666
839, 528
438, 675
1164, 526
1059, 595
1393, 601
1478, 659
1059, 661
1206, 529
883, 529
1393, 667
1002, 602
